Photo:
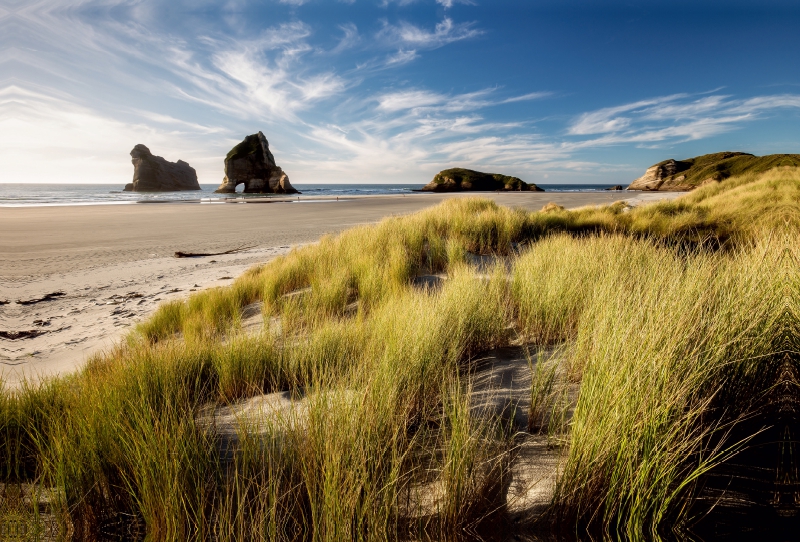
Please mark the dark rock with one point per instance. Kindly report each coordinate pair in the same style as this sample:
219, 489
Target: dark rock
154, 174
251, 163
462, 180
656, 176
615, 187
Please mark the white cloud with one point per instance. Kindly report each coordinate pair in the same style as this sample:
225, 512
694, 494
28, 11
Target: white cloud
349, 39
168, 120
765, 103
678, 117
427, 102
264, 76
451, 3
401, 57
385, 3
527, 97
609, 119
444, 3
445, 32
410, 99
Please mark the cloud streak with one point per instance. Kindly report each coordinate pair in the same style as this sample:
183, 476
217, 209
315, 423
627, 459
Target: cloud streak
680, 117
406, 34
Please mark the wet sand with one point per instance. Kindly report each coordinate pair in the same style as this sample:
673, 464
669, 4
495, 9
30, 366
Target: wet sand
115, 263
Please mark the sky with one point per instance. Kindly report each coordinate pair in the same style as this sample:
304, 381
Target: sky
392, 91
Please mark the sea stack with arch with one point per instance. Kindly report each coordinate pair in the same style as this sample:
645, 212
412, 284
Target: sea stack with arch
251, 163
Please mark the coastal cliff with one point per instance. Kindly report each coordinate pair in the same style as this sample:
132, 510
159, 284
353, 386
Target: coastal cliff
684, 175
463, 180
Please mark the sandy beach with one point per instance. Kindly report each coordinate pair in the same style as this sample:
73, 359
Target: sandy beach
110, 266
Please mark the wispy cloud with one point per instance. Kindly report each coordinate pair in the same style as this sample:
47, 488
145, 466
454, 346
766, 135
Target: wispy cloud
409, 99
350, 38
451, 3
611, 119
262, 76
445, 32
677, 117
444, 3
527, 97
401, 57
424, 101
170, 121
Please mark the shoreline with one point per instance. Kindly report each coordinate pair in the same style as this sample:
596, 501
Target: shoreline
115, 264
240, 198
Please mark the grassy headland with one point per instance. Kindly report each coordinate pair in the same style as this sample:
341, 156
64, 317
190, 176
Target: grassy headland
687, 174
674, 321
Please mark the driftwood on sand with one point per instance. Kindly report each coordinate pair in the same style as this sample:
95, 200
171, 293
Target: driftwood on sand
201, 254
47, 297
25, 334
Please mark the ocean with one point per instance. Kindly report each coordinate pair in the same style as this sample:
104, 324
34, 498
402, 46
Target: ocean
44, 195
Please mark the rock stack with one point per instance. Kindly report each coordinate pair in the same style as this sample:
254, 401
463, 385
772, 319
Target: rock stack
252, 164
463, 180
154, 174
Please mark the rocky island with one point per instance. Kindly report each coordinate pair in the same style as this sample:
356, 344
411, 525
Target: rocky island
684, 175
463, 180
251, 163
155, 174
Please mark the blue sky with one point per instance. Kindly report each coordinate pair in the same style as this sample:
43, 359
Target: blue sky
570, 91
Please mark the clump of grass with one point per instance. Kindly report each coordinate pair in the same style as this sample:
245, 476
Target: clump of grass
475, 466
692, 330
7, 434
543, 388
123, 439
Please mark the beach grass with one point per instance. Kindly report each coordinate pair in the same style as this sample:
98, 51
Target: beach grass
665, 317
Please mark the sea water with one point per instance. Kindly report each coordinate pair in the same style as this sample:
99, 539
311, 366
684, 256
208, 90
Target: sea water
40, 195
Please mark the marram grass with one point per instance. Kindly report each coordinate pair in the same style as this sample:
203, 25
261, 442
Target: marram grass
666, 318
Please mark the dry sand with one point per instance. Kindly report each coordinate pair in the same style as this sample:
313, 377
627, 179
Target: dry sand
115, 264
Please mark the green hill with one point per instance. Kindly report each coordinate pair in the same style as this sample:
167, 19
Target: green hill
460, 179
682, 175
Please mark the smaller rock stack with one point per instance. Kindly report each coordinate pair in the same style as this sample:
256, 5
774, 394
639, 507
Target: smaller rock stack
463, 180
